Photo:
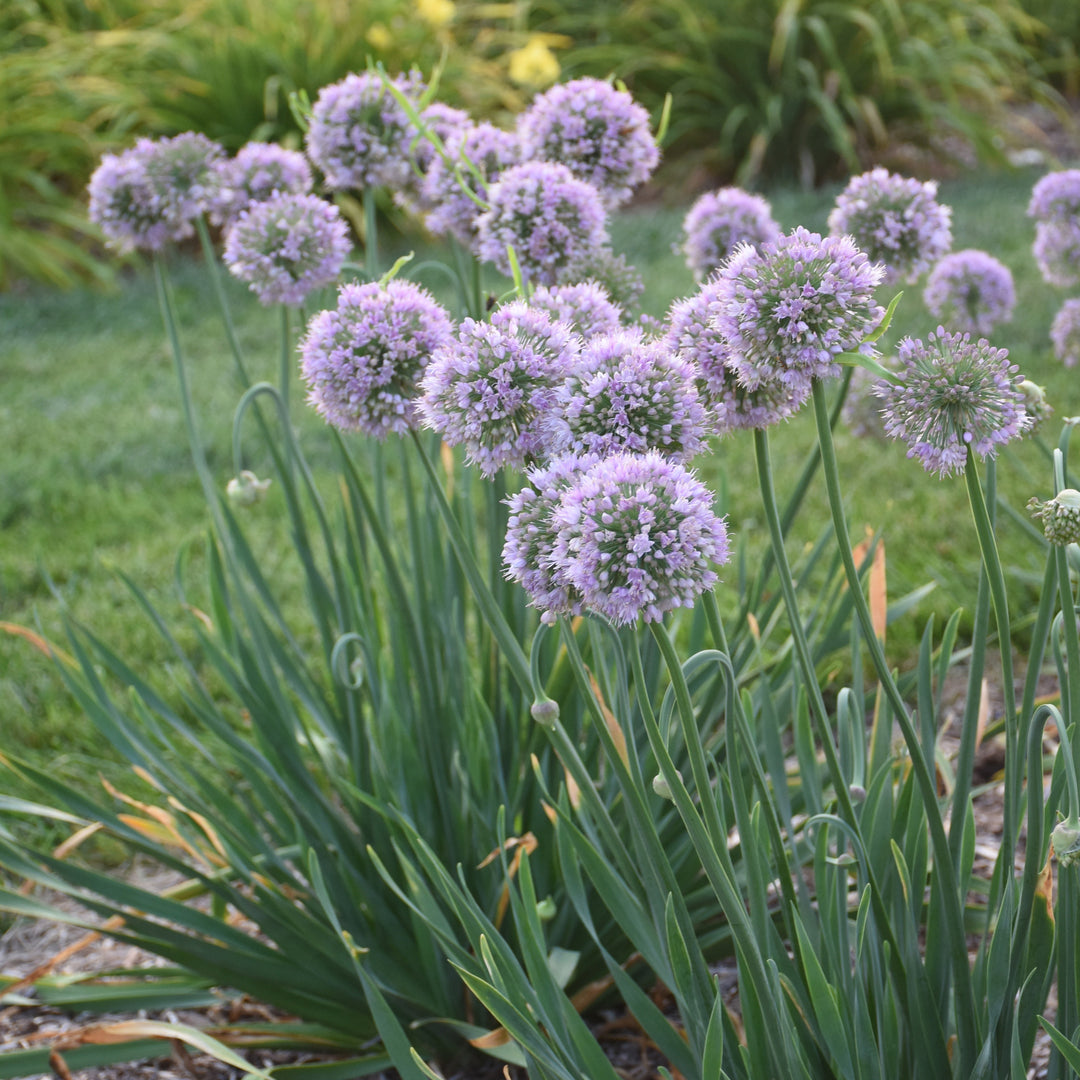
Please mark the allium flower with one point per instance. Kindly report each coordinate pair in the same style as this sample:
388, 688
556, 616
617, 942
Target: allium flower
491, 388
1057, 252
258, 171
1038, 409
692, 334
622, 282
586, 308
359, 135
452, 210
1065, 333
787, 310
895, 220
637, 536
547, 216
1056, 198
363, 360
953, 393
628, 394
446, 122
970, 291
598, 132
1060, 516
721, 220
287, 246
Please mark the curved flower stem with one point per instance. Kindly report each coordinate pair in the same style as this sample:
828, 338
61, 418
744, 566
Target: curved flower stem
285, 361
951, 901
222, 299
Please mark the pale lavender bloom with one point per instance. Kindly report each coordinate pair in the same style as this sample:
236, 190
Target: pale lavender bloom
546, 215
721, 220
788, 310
1065, 333
601, 134
363, 360
1056, 198
491, 387
258, 171
637, 536
895, 220
586, 308
359, 135
622, 282
628, 394
953, 394
444, 121
452, 209
287, 246
970, 291
1057, 252
692, 334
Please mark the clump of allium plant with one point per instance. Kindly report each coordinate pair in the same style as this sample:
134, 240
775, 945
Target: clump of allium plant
363, 359
596, 131
788, 309
359, 135
1057, 252
1055, 199
691, 332
1065, 333
897, 221
953, 394
287, 246
636, 536
721, 220
970, 291
258, 172
628, 394
546, 215
585, 307
490, 388
622, 281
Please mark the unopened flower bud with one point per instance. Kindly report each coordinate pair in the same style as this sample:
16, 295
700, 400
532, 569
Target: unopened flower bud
1060, 516
857, 793
1035, 404
1065, 840
546, 909
545, 712
662, 787
246, 489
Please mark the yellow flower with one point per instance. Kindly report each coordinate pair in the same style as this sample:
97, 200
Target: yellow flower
378, 36
435, 12
534, 64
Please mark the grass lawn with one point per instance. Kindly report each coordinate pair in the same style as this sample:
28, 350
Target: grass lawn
97, 474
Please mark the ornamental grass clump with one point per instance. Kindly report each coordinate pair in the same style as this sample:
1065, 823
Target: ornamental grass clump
970, 291
721, 220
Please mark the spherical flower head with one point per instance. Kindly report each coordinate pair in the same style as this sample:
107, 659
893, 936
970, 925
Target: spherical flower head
1060, 516
1057, 252
896, 220
287, 246
637, 536
363, 360
359, 135
970, 291
788, 309
586, 308
490, 388
953, 394
721, 220
691, 333
444, 121
1038, 409
258, 172
546, 215
490, 151
1056, 198
601, 134
622, 282
1065, 333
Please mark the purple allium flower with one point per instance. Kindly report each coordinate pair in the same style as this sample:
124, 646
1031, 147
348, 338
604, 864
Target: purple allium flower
258, 171
692, 334
787, 310
1056, 198
601, 134
444, 121
287, 246
895, 220
586, 308
547, 216
953, 393
721, 220
452, 210
363, 360
636, 536
628, 394
622, 282
1065, 333
1057, 252
359, 135
491, 388
970, 291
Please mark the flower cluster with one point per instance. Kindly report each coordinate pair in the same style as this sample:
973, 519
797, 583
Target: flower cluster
598, 132
259, 171
287, 246
363, 360
896, 220
721, 220
586, 308
1060, 516
546, 215
1057, 252
953, 394
444, 121
787, 310
1055, 199
970, 291
1065, 333
622, 282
